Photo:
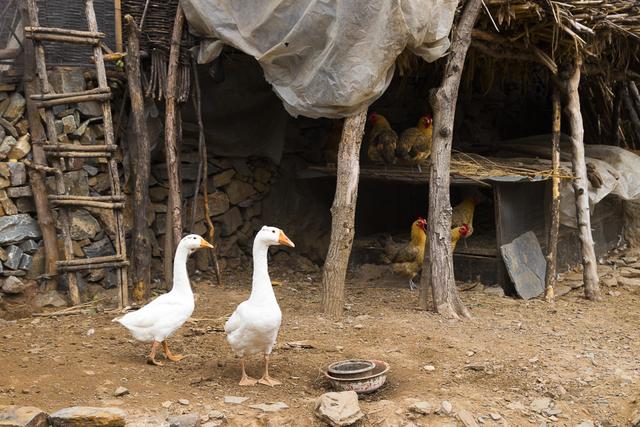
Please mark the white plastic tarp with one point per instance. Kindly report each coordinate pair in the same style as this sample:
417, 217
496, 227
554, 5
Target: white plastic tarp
324, 58
620, 173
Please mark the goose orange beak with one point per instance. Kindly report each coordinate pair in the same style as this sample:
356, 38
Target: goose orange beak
205, 244
284, 240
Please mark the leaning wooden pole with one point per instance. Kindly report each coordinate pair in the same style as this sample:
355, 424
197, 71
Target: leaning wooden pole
552, 243
174, 208
140, 165
580, 183
343, 215
446, 300
37, 177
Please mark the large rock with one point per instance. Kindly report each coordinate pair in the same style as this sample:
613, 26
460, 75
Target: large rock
90, 109
76, 183
67, 79
16, 106
223, 178
186, 420
81, 416
230, 221
16, 228
158, 194
49, 299
339, 409
69, 124
239, 191
13, 285
14, 253
25, 205
7, 205
21, 148
18, 173
102, 247
83, 225
8, 142
23, 416
218, 204
17, 192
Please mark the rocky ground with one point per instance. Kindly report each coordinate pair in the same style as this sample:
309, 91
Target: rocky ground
517, 363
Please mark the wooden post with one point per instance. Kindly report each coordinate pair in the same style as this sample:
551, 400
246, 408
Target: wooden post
52, 136
37, 177
343, 215
174, 207
552, 245
140, 165
446, 300
580, 183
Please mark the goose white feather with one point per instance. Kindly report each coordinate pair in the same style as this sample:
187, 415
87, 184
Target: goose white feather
159, 319
253, 327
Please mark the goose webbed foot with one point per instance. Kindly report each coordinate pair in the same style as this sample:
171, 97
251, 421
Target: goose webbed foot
168, 355
246, 380
151, 358
266, 378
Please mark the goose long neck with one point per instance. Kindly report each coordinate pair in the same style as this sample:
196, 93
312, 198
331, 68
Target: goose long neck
180, 276
261, 289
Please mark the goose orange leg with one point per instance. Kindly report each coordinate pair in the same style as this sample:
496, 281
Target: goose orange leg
266, 379
167, 353
246, 379
151, 358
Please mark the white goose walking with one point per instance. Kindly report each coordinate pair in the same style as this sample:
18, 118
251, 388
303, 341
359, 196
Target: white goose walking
156, 321
253, 326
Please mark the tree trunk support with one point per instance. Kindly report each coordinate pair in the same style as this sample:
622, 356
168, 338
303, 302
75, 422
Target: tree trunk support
174, 208
446, 300
37, 177
343, 215
140, 165
580, 184
550, 278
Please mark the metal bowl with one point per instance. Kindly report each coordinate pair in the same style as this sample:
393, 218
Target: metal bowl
354, 368
362, 385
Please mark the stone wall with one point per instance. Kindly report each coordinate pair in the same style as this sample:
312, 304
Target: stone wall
237, 187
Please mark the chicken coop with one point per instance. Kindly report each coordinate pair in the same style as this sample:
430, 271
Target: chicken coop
268, 154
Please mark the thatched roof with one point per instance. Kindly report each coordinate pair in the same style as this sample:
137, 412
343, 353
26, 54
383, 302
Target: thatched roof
606, 34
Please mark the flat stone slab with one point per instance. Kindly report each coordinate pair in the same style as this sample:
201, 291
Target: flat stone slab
23, 416
80, 416
525, 264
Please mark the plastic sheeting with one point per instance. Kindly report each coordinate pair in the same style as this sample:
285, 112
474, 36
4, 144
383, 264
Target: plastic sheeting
620, 173
324, 58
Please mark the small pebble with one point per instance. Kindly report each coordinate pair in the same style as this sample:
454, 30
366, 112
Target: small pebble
184, 402
429, 368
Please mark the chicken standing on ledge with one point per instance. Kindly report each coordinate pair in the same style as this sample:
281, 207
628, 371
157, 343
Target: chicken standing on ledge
414, 145
382, 140
410, 269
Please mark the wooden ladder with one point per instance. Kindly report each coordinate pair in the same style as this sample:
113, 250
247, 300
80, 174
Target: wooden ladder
58, 153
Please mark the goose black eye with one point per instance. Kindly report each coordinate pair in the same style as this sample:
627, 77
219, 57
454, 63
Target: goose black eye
273, 231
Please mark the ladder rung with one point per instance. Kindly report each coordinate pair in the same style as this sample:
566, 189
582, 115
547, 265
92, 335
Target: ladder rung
72, 98
84, 261
77, 147
48, 96
114, 198
101, 202
92, 263
63, 39
64, 31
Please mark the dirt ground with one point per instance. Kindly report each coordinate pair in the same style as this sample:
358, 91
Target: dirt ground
581, 355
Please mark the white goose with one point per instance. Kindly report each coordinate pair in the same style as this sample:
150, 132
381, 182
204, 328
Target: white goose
253, 327
156, 321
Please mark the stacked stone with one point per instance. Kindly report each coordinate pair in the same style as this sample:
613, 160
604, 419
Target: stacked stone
92, 230
235, 205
